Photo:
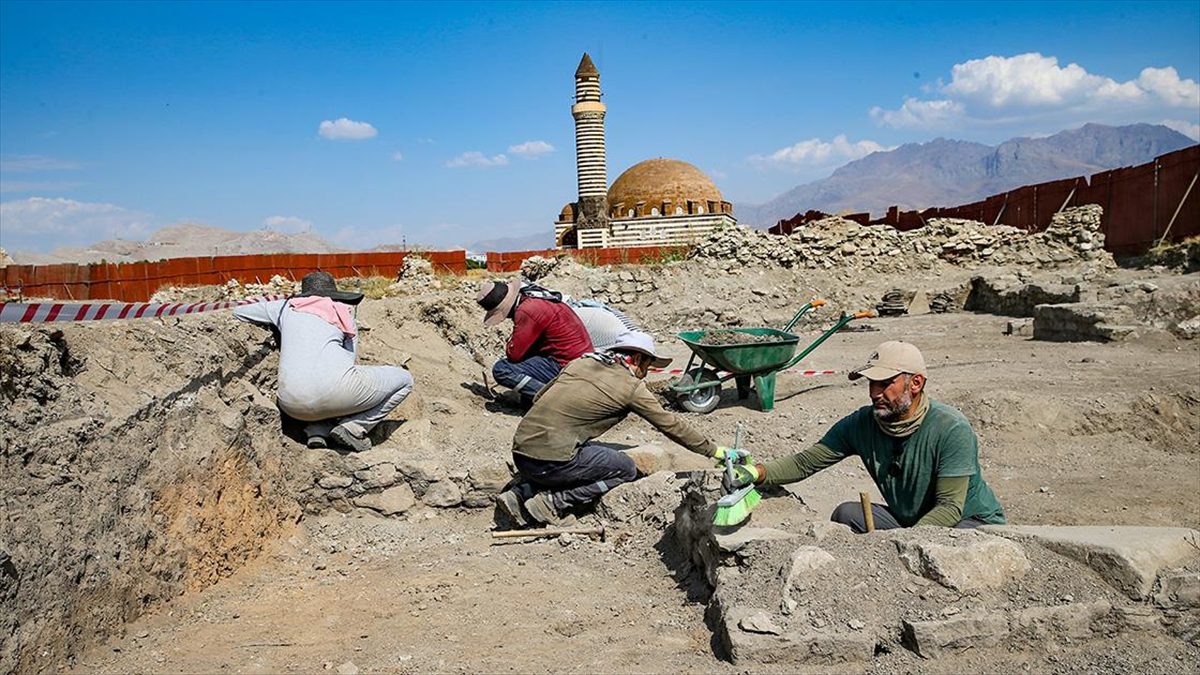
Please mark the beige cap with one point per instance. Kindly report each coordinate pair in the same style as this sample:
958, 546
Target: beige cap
891, 359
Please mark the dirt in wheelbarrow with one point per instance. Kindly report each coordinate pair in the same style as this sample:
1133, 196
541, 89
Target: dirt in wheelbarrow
734, 337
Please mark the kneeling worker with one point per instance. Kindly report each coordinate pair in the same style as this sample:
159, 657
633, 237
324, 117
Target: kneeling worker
922, 454
552, 448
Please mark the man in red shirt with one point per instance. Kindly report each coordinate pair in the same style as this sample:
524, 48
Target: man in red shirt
547, 334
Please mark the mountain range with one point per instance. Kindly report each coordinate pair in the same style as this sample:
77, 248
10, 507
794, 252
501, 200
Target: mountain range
945, 172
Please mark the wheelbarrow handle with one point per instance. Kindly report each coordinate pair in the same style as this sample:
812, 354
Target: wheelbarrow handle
865, 314
803, 310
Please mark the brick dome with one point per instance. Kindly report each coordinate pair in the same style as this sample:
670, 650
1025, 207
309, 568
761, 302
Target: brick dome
656, 181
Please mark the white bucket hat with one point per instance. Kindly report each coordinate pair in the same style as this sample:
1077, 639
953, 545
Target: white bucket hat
635, 341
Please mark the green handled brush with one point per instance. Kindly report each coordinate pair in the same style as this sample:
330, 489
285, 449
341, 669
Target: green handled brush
735, 507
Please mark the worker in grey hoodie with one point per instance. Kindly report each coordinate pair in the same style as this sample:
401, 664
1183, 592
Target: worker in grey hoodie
319, 382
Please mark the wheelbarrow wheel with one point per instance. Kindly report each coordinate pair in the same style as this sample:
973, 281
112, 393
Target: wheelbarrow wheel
701, 400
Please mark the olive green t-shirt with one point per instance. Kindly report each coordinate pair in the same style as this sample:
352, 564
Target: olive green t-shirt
944, 446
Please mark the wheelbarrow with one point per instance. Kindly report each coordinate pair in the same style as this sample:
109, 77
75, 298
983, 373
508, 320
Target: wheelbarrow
699, 387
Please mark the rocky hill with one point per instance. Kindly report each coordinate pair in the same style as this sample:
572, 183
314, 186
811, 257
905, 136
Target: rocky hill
184, 241
946, 172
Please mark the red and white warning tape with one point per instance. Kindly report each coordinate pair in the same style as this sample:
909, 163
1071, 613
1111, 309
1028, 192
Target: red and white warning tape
805, 373
46, 312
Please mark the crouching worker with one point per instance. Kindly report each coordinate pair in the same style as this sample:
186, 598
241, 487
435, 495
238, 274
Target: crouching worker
318, 381
922, 454
552, 449
546, 336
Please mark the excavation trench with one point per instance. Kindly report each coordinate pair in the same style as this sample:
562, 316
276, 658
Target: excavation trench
156, 516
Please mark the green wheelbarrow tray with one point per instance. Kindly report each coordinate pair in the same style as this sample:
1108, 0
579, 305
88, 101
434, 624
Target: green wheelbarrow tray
699, 388
746, 357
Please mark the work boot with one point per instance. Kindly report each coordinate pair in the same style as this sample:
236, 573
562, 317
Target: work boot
352, 437
317, 442
511, 504
542, 509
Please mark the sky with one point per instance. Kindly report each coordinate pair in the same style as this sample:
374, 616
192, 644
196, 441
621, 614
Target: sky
448, 123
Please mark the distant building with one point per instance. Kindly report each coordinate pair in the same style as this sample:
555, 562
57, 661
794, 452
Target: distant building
655, 202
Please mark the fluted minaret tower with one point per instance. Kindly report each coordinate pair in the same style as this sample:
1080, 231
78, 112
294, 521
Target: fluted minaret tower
590, 159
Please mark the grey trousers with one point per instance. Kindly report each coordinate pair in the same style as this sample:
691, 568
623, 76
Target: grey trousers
594, 470
851, 513
360, 400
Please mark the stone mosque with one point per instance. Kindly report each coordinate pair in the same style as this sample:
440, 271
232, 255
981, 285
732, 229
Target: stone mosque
656, 202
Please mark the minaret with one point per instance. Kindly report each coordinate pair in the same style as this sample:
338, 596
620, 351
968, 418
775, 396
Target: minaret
590, 160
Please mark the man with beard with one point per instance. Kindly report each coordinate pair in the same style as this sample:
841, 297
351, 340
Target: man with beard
922, 454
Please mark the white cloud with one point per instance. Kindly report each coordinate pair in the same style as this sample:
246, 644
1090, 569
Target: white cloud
343, 129
1011, 88
30, 163
397, 156
815, 152
474, 158
1188, 129
531, 149
917, 113
290, 224
39, 223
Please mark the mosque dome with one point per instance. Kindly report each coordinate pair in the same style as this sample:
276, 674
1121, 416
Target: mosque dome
655, 182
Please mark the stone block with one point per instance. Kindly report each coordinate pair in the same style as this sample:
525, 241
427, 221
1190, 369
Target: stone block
972, 562
805, 561
394, 500
377, 476
1128, 558
380, 454
651, 499
737, 539
442, 494
1178, 590
332, 481
790, 648
421, 470
1076, 621
489, 480
931, 639
651, 459
1081, 322
1022, 327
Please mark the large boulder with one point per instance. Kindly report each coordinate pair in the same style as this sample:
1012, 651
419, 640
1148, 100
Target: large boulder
1128, 558
963, 560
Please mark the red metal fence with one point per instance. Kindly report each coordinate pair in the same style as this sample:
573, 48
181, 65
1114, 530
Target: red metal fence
511, 261
1142, 204
136, 282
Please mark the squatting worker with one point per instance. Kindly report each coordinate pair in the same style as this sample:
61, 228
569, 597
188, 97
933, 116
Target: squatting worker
547, 334
552, 448
922, 454
318, 381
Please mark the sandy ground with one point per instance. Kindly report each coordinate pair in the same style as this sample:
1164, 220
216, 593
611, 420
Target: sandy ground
1070, 433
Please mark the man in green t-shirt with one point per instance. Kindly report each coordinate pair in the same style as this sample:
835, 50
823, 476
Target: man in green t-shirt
922, 454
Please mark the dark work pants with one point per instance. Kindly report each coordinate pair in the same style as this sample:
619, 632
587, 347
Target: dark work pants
594, 470
851, 513
527, 377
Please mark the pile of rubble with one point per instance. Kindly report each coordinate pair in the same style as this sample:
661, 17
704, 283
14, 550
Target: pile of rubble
535, 267
415, 272
231, 290
6, 259
1073, 236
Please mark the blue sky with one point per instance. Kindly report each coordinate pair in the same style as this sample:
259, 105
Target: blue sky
448, 123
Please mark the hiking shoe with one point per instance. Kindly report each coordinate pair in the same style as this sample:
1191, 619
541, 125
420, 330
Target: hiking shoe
542, 509
316, 442
510, 504
346, 437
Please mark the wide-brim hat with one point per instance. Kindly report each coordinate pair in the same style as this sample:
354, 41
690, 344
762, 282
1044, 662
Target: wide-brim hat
321, 283
498, 299
636, 341
889, 360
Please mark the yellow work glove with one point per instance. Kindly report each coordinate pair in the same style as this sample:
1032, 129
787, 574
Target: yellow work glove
743, 475
739, 456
